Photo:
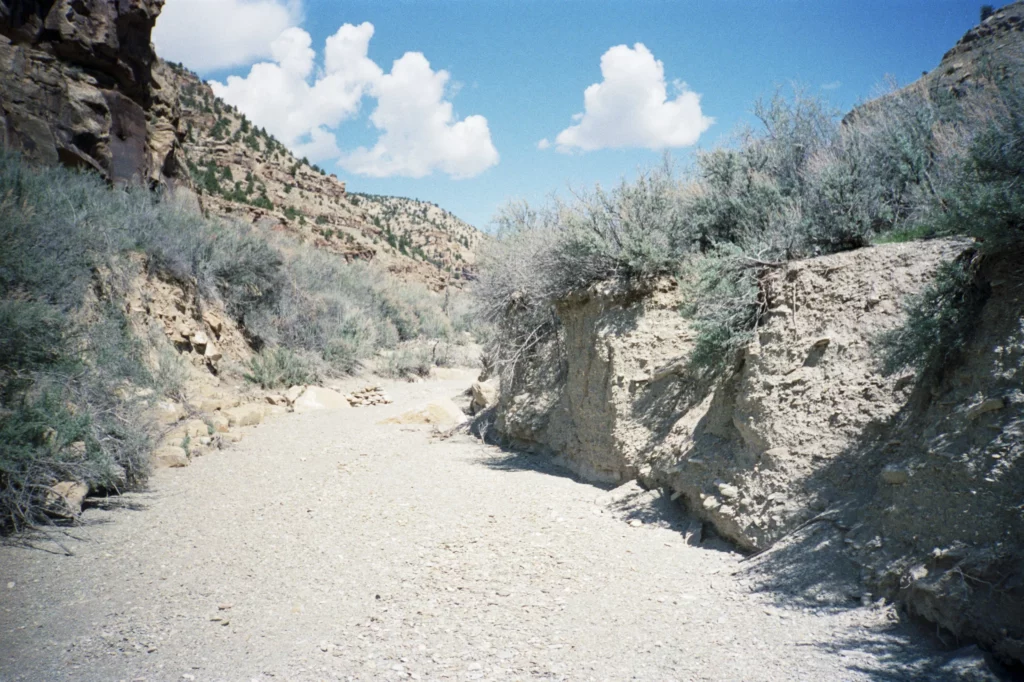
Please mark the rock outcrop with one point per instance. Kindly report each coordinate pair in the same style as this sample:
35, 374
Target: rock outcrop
919, 483
77, 88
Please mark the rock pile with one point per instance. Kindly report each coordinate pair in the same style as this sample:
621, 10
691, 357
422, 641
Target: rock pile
369, 395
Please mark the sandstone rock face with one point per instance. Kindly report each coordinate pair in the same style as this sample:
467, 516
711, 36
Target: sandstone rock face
76, 88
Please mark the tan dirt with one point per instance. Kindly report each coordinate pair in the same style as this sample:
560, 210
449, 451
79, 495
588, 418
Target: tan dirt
331, 546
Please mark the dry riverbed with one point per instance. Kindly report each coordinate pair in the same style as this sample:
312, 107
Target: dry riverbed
330, 546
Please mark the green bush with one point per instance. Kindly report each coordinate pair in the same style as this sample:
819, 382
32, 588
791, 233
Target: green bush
32, 335
801, 184
724, 305
67, 348
985, 201
408, 362
939, 322
279, 368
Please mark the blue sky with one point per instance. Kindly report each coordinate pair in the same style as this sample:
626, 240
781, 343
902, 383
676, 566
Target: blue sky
523, 66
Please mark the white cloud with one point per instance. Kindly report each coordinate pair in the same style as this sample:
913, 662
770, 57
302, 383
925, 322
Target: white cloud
543, 144
206, 35
419, 133
278, 95
834, 85
630, 107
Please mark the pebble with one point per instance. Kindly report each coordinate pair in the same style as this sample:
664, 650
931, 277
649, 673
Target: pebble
636, 523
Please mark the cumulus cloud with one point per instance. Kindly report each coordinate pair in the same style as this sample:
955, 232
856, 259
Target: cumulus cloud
543, 144
419, 132
298, 103
207, 35
279, 96
630, 107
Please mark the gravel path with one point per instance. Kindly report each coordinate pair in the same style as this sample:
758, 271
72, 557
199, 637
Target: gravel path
328, 546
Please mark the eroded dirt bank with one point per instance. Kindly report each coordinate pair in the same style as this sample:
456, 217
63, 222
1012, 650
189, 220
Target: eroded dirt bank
329, 546
911, 480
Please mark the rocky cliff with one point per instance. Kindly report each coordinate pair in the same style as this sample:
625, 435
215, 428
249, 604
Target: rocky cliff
242, 171
78, 88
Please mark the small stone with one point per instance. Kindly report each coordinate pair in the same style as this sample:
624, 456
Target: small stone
216, 324
636, 523
710, 503
895, 475
220, 423
988, 405
324, 646
728, 491
224, 607
212, 353
199, 341
10, 585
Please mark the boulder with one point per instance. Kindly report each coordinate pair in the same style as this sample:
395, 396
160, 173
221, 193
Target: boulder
485, 394
319, 398
212, 353
293, 393
987, 405
167, 412
199, 341
443, 414
244, 415
220, 423
68, 497
214, 322
196, 428
170, 457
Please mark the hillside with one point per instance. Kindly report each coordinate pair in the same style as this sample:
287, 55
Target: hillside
241, 171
